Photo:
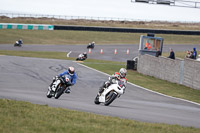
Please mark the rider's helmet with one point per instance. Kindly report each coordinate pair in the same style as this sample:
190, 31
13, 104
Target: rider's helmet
93, 42
122, 72
85, 53
71, 71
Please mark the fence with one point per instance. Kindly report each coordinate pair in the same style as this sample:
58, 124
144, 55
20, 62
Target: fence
14, 15
186, 72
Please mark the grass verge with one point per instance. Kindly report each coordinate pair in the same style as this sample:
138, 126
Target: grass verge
111, 23
24, 117
9, 36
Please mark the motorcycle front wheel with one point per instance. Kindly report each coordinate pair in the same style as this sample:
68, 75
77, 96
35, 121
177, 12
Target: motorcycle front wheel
110, 98
49, 94
59, 91
96, 100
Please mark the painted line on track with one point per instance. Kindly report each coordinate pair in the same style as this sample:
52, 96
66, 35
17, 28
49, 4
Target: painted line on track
69, 53
143, 87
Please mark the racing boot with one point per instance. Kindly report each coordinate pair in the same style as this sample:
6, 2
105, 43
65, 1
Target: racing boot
105, 85
67, 90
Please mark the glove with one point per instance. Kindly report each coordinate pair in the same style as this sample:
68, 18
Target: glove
56, 77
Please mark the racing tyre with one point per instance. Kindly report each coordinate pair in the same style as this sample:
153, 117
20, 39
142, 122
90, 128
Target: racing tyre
110, 98
49, 94
96, 100
59, 91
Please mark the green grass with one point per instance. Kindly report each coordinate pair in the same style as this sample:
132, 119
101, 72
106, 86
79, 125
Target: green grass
38, 54
24, 117
130, 24
9, 36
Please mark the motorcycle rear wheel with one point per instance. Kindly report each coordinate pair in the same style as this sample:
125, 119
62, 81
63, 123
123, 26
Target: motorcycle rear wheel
110, 98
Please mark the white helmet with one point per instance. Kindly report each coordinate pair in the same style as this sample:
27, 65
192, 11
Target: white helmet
122, 72
71, 71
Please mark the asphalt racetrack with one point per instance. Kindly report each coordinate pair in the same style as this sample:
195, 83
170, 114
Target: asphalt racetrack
27, 79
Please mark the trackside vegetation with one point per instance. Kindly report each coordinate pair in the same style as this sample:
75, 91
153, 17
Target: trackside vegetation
24, 117
9, 36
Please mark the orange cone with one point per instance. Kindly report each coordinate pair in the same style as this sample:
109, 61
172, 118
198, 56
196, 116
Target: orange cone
115, 51
89, 50
127, 52
101, 52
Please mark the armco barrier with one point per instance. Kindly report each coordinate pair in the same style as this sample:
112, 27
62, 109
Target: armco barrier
186, 72
26, 26
128, 30
89, 28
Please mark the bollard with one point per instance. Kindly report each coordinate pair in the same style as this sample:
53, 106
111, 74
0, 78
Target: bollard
101, 52
127, 52
115, 51
89, 50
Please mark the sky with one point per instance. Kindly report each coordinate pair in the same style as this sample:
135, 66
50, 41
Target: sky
102, 8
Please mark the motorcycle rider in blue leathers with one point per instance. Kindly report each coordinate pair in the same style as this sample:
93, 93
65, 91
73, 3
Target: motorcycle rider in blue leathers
71, 72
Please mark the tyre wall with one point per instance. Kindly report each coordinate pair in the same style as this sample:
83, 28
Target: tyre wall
26, 26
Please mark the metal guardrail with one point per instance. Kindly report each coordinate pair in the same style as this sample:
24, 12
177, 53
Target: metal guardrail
63, 17
15, 15
127, 30
105, 29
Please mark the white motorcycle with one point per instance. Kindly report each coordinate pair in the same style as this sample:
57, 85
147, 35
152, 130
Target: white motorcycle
81, 57
58, 86
111, 93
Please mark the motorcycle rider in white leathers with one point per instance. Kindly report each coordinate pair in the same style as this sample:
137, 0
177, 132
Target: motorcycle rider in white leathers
121, 75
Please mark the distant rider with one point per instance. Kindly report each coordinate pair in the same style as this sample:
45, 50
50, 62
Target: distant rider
20, 41
85, 55
121, 75
71, 72
91, 45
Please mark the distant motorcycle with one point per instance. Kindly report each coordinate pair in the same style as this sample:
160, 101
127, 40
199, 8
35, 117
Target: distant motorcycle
81, 57
90, 45
58, 86
18, 43
111, 93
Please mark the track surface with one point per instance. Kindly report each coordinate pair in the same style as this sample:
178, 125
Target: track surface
27, 79
108, 50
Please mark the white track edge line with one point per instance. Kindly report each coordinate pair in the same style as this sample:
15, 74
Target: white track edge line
69, 53
144, 88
